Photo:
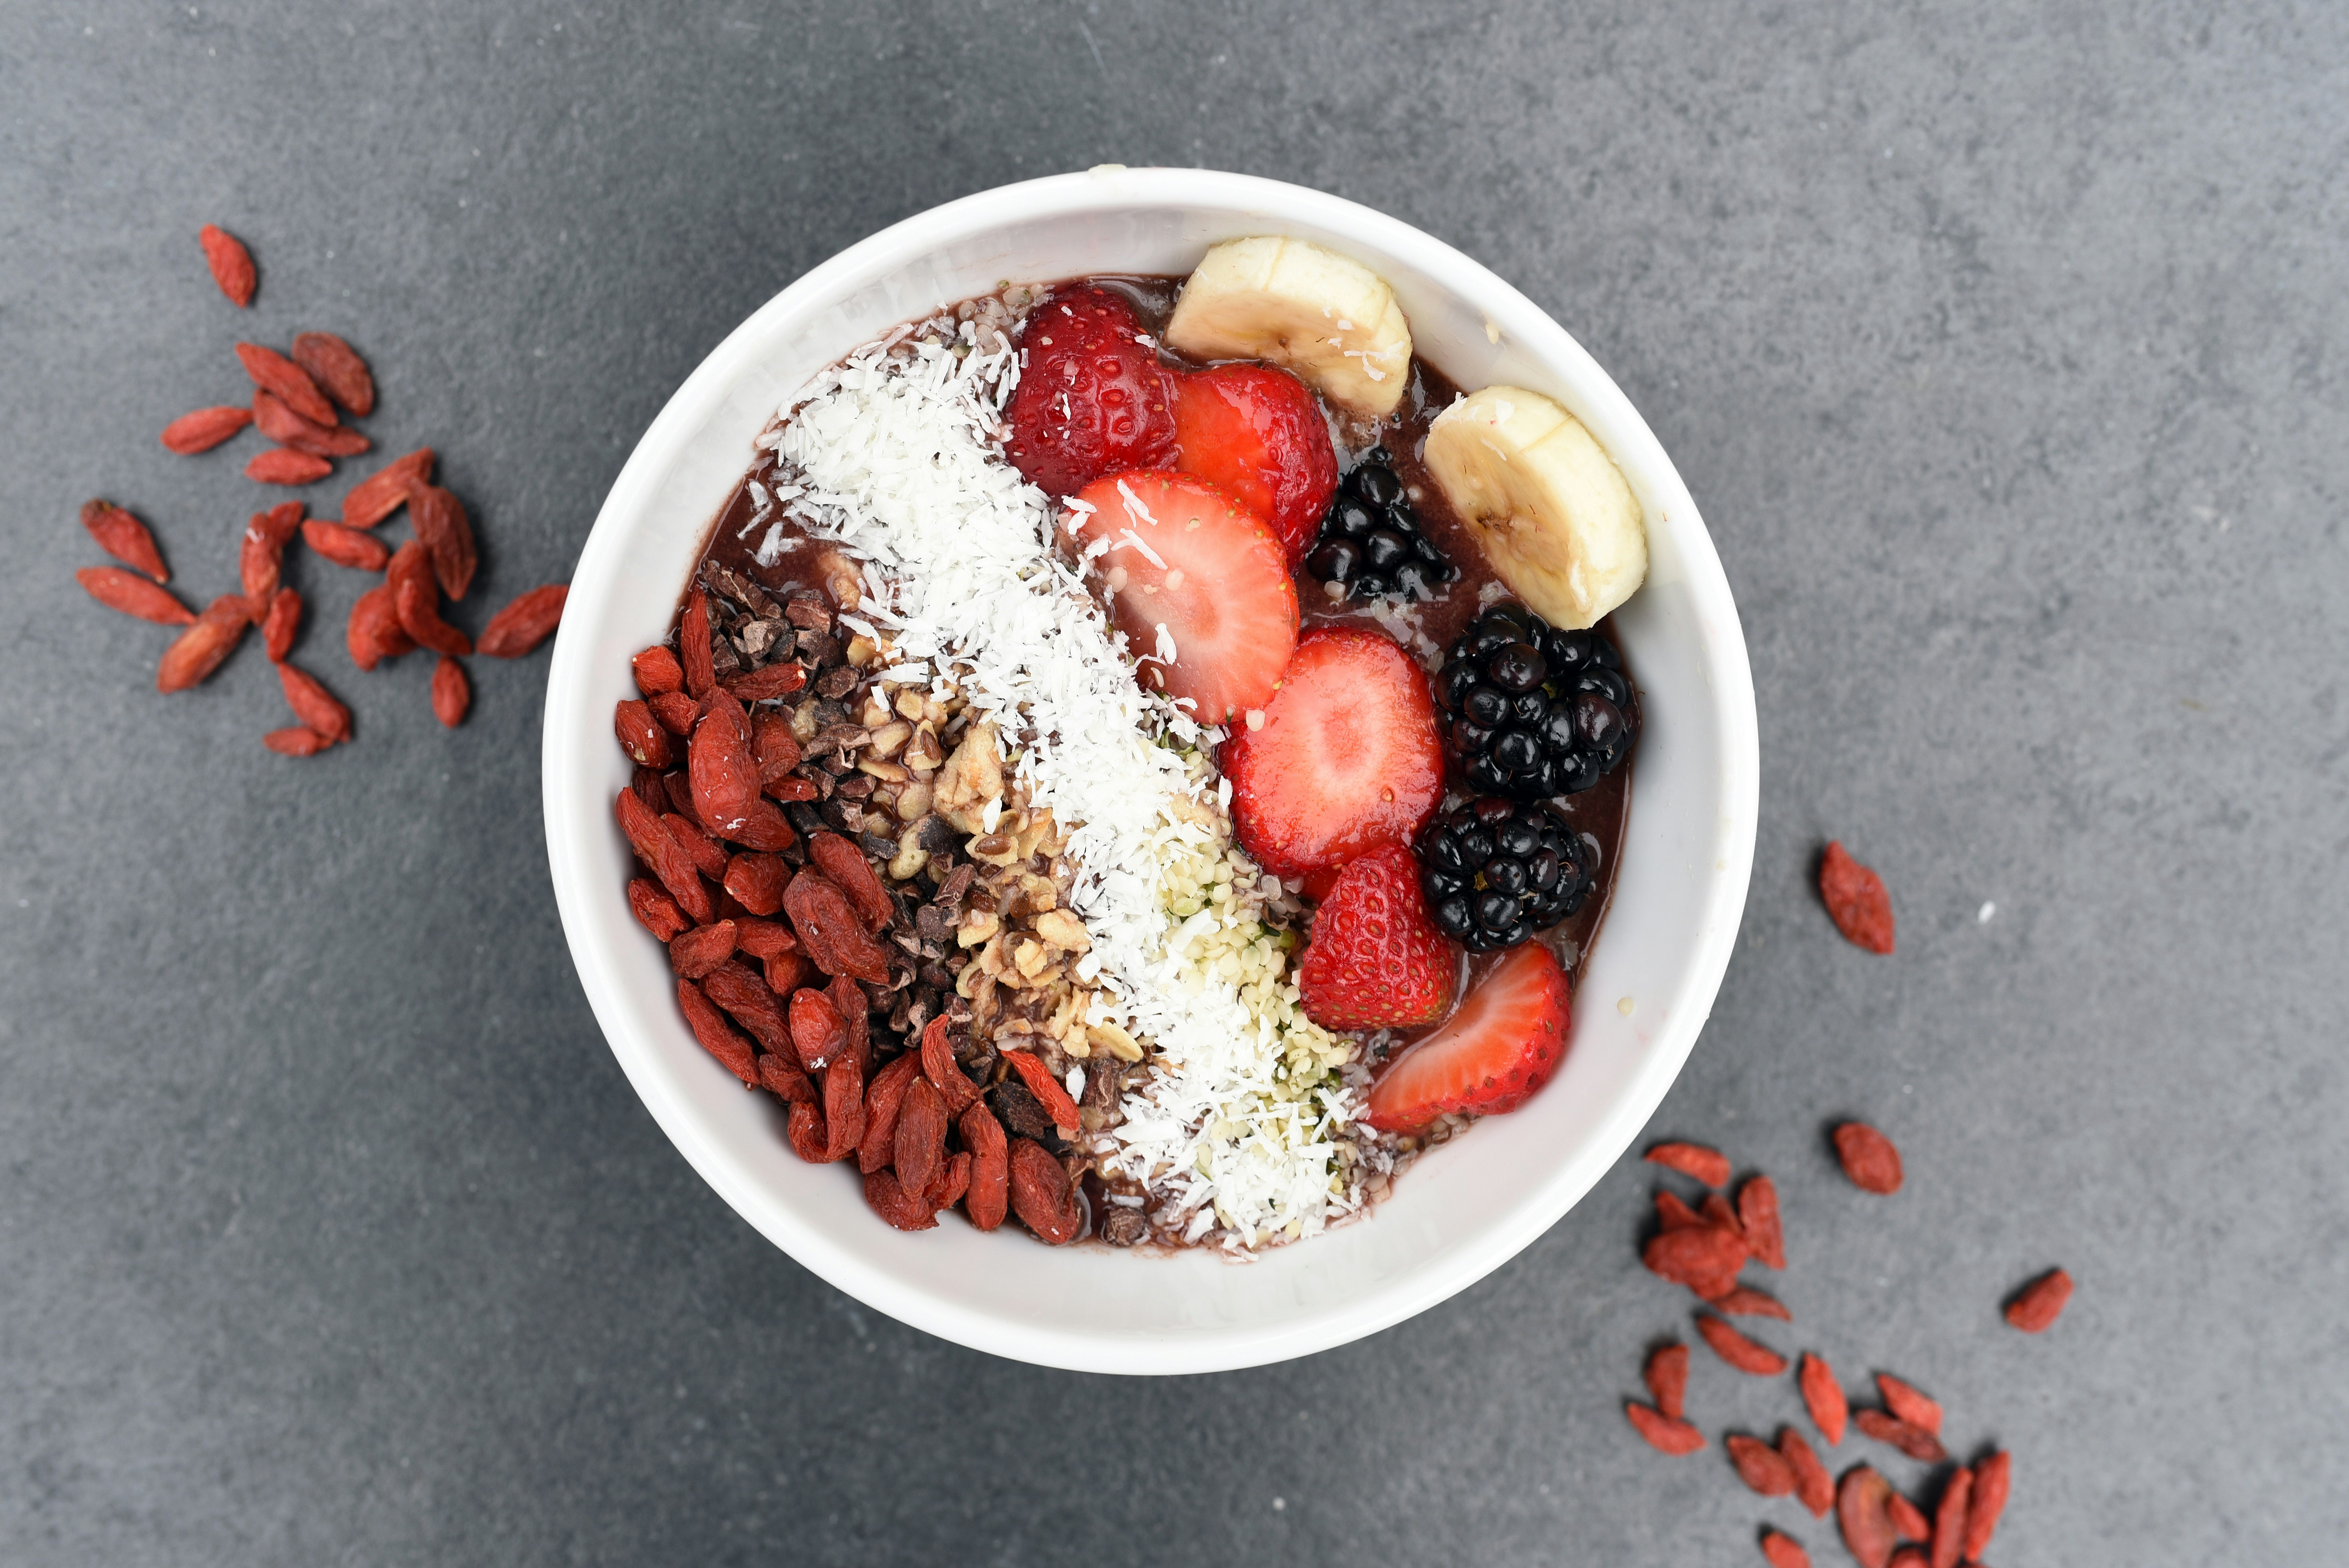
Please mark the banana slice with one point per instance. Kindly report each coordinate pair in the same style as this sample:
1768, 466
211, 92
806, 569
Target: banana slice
1328, 317
1547, 503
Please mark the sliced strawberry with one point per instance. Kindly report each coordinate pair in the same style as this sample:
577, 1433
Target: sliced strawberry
1257, 432
1376, 960
1091, 399
1196, 581
1506, 1041
1347, 758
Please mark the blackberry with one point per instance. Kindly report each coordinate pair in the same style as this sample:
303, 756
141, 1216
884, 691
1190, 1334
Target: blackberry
1371, 543
1496, 872
1535, 712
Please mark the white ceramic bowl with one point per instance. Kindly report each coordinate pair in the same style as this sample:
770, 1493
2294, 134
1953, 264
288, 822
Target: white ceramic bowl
1461, 1212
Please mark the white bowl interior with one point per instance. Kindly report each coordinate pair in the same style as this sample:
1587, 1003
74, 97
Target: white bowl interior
1464, 1209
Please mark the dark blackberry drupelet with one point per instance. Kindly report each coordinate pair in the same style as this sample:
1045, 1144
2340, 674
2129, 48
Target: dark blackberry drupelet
1496, 872
1535, 712
1371, 543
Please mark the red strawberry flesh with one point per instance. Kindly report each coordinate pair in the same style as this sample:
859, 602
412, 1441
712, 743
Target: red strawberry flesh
1376, 959
1092, 399
1257, 432
1505, 1042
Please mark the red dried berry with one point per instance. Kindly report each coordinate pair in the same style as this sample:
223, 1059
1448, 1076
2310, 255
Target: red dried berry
843, 1108
1904, 1401
279, 423
1745, 1355
656, 909
1747, 1301
1703, 1257
527, 620
664, 857
387, 489
260, 550
229, 263
118, 589
338, 369
280, 376
764, 939
296, 741
1761, 1467
416, 597
314, 705
1813, 1488
1044, 1086
1042, 1196
278, 626
1868, 1158
829, 931
818, 1032
1861, 1504
1908, 1557
1991, 1478
1823, 1397
951, 1184
698, 952
1716, 1213
988, 1197
1757, 1218
903, 1210
854, 1007
776, 749
1665, 1434
725, 776
374, 633
1950, 1519
1915, 1441
753, 1004
452, 694
124, 537
201, 430
2038, 1304
717, 1036
199, 650
657, 671
781, 1076
1783, 1551
285, 465
939, 1067
1709, 1166
1909, 1521
1666, 1374
643, 740
757, 881
439, 520
693, 647
845, 863
780, 679
1855, 900
351, 547
1673, 1214
675, 712
882, 1096
920, 1140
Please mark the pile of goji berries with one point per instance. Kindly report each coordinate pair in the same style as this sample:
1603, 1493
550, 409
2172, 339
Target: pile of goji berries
1705, 1248
299, 403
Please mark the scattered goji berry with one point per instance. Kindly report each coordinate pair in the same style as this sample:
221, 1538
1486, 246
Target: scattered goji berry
1783, 1551
1868, 1158
352, 547
1757, 1218
314, 705
664, 857
990, 1195
1950, 1519
201, 430
717, 1036
387, 489
1666, 1374
452, 694
208, 640
278, 422
1745, 1355
229, 263
829, 931
1673, 1214
338, 369
696, 952
1761, 1467
1909, 1522
527, 620
1665, 1434
1700, 1256
126, 591
274, 373
261, 551
1042, 1196
1044, 1086
2039, 1303
416, 597
124, 537
845, 863
1716, 1213
1904, 1401
919, 1141
1991, 1478
1855, 900
374, 633
1813, 1488
439, 520
295, 740
1861, 1502
656, 909
1915, 1441
1709, 1166
285, 465
1908, 1557
1823, 1397
1747, 1301
278, 626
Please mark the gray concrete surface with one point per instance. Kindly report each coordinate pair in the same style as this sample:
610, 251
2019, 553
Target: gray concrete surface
2005, 346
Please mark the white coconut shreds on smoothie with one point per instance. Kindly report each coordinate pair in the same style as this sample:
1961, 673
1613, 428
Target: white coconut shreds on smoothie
1244, 1129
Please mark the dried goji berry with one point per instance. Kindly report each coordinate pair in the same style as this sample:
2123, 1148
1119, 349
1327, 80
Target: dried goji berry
274, 373
939, 1067
1908, 1557
779, 679
209, 640
1991, 1478
1745, 1355
680, 793
882, 1096
782, 1075
1868, 1158
696, 952
260, 554
989, 1196
278, 626
818, 1032
285, 465
1761, 1467
1757, 1218
1906, 1403
2038, 1304
657, 671
1915, 1441
664, 857
1855, 900
352, 547
717, 1036
1666, 1374
1747, 1301
1042, 1196
1909, 1521
386, 490
229, 263
693, 647
919, 1142
124, 537
201, 430
1861, 1499
1703, 1257
907, 1211
829, 931
804, 1129
758, 881
1665, 1434
439, 520
1950, 1519
338, 369
133, 596
656, 909
843, 1108
765, 938
1709, 1166
416, 597
1813, 1488
278, 422
452, 694
1823, 1397
953, 1180
709, 854
675, 712
313, 704
374, 633
528, 619
1717, 1214
1044, 1086
773, 747
1783, 1551
754, 1005
295, 740
648, 788
1673, 1214
792, 788
717, 760
854, 1007
845, 863
644, 742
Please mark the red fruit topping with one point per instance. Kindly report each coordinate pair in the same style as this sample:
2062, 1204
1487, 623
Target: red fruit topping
1855, 901
1868, 1158
1991, 1479
1090, 400
1196, 581
1761, 1467
2040, 1301
1347, 758
1813, 1488
231, 264
1257, 432
1709, 1166
1915, 1441
1950, 1519
1747, 1301
1746, 1355
1666, 1374
1862, 1509
1904, 1401
1783, 1551
1909, 1522
124, 537
1666, 1434
1757, 1217
133, 596
205, 428
1823, 1396
338, 369
1505, 1043
274, 374
210, 638
1376, 960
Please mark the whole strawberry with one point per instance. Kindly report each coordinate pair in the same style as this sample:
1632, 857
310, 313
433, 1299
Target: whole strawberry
1376, 960
1090, 400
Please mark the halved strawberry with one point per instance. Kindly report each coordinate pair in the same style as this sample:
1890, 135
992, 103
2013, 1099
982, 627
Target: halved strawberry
1347, 757
1376, 960
1257, 432
1092, 398
1506, 1041
1197, 582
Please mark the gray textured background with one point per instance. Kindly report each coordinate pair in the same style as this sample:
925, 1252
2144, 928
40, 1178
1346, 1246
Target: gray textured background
2004, 345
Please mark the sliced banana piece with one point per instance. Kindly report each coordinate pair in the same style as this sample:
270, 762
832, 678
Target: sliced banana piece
1547, 503
1328, 317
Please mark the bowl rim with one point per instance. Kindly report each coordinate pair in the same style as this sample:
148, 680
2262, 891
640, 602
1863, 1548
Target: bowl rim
1113, 188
